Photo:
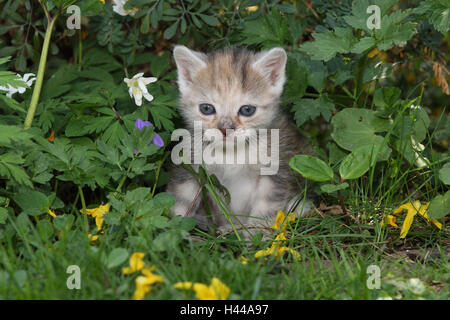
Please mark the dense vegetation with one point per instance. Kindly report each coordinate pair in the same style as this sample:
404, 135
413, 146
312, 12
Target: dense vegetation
81, 185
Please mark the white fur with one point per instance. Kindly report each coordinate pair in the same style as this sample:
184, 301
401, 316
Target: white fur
188, 62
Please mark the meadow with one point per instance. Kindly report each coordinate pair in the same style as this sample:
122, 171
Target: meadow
88, 103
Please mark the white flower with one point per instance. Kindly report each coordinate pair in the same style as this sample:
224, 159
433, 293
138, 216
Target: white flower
118, 8
26, 79
138, 88
416, 286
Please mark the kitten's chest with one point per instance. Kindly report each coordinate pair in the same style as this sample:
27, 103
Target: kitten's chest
241, 182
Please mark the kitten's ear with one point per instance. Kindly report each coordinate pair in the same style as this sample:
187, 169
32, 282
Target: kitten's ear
271, 64
188, 62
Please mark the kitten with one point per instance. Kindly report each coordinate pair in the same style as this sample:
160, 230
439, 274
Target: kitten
237, 91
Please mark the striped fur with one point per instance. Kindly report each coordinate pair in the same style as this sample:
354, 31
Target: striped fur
229, 79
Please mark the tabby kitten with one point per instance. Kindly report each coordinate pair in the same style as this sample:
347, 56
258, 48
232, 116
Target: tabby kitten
236, 91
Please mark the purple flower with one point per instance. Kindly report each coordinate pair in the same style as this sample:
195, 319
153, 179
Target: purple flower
141, 124
156, 139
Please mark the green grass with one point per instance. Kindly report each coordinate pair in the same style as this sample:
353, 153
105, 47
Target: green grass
34, 257
35, 251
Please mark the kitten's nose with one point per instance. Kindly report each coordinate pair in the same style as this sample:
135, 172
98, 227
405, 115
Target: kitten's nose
224, 130
224, 124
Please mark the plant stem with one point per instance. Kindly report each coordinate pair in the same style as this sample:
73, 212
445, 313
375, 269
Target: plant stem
341, 202
40, 74
80, 49
83, 205
157, 173
119, 187
124, 178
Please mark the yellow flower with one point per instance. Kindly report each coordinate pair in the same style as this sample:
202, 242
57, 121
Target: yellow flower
412, 209
381, 54
204, 292
144, 283
91, 237
252, 8
186, 285
217, 290
50, 212
136, 263
221, 11
281, 221
220, 290
278, 252
277, 249
392, 220
98, 214
243, 260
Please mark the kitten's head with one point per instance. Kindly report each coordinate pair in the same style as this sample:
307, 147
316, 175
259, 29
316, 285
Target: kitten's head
230, 89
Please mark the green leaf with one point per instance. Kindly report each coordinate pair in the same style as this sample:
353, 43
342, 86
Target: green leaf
286, 8
309, 109
116, 257
114, 134
297, 81
3, 215
444, 173
78, 127
9, 78
11, 169
336, 154
145, 24
353, 128
439, 206
356, 163
393, 32
363, 45
163, 200
64, 222
317, 75
137, 195
329, 43
90, 8
12, 133
386, 97
440, 18
311, 168
183, 223
359, 16
421, 122
170, 31
329, 188
209, 20
267, 30
167, 240
32, 202
438, 13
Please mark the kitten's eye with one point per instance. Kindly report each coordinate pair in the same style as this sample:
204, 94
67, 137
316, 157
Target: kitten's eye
247, 110
207, 109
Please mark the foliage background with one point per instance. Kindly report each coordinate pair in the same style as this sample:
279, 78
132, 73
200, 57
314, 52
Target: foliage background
79, 151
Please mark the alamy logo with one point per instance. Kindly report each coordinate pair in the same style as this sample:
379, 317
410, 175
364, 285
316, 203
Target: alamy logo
374, 280
231, 147
74, 20
374, 21
73, 281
